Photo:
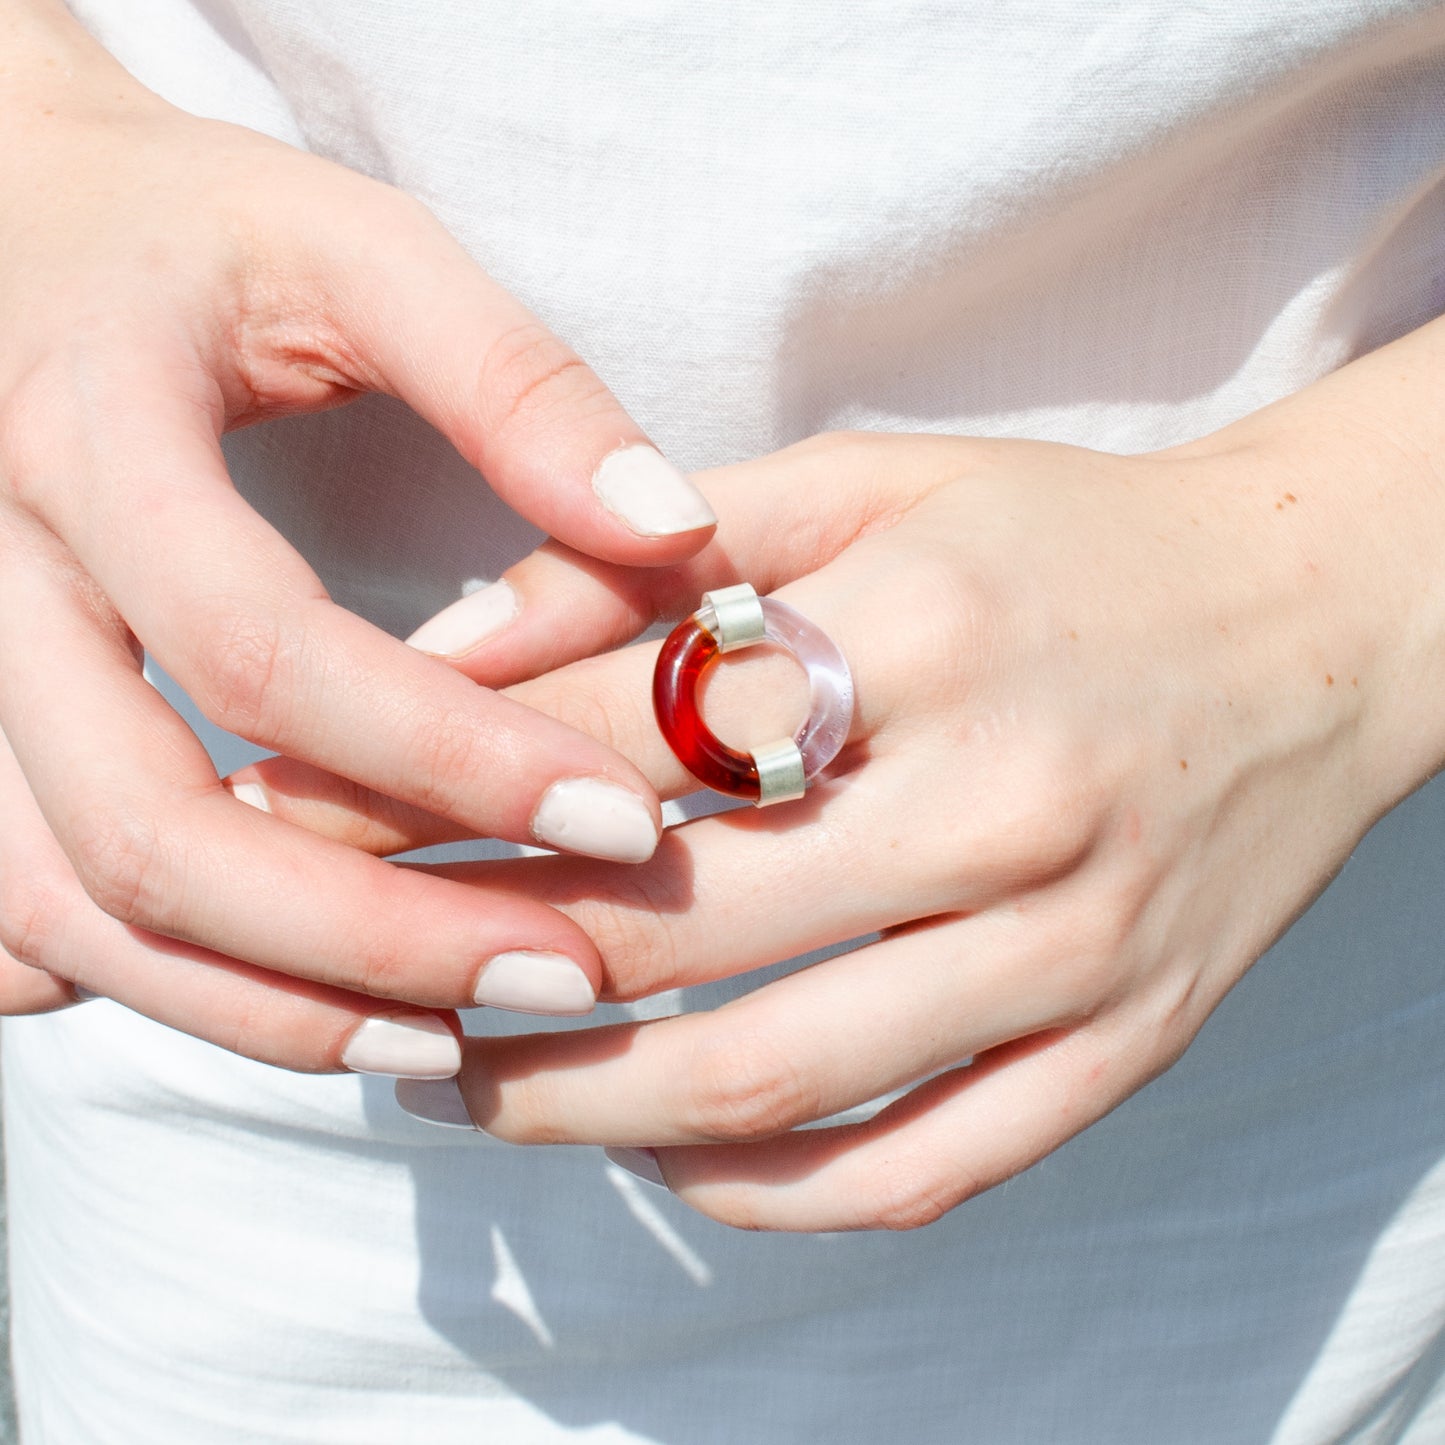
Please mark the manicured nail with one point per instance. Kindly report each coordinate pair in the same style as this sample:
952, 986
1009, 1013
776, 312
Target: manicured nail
83, 995
405, 1045
641, 1162
642, 487
434, 1101
602, 820
252, 794
468, 623
534, 983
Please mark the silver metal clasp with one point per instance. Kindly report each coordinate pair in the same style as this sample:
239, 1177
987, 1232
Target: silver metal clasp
734, 616
780, 772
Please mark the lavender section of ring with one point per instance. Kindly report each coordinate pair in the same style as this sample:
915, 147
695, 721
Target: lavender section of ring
830, 710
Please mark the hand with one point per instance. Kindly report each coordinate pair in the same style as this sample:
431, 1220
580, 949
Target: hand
1118, 721
166, 278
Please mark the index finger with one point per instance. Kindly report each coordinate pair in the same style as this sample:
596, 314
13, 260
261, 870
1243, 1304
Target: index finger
243, 624
412, 314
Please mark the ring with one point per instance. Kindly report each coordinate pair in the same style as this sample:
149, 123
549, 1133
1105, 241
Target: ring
730, 619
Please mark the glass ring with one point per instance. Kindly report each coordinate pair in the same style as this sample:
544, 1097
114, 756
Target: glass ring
729, 619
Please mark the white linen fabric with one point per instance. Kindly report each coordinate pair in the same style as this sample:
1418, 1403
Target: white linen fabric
1113, 225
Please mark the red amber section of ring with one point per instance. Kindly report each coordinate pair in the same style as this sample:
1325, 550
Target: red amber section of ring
688, 652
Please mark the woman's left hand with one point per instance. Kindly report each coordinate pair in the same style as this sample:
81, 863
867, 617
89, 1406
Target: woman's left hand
1118, 721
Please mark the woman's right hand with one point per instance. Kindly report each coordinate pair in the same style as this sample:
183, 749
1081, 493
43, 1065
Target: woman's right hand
166, 278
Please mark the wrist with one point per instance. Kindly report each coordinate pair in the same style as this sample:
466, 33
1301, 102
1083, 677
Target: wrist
1341, 492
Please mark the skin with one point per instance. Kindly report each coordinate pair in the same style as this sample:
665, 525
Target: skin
1119, 721
189, 277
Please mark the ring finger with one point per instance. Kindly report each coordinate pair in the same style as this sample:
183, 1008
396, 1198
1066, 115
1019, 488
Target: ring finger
751, 698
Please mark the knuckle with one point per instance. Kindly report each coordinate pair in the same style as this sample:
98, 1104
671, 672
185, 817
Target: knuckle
382, 972
587, 706
1155, 1025
1044, 815
742, 1086
32, 907
528, 374
1063, 829
904, 1197
1095, 950
631, 932
1105, 927
117, 855
1082, 981
1076, 973
248, 666
582, 709
953, 630
443, 754
253, 1028
240, 1032
28, 439
383, 961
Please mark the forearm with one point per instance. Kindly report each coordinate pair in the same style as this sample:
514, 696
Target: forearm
1347, 482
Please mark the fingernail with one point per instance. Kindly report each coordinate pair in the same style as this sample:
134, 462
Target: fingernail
434, 1101
640, 485
468, 623
534, 983
252, 794
641, 1162
405, 1045
83, 995
602, 820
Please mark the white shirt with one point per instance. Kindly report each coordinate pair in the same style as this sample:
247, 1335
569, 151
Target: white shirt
1114, 225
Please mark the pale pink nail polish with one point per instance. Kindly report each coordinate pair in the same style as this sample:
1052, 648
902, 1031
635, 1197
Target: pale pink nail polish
600, 819
639, 485
404, 1045
468, 623
252, 794
535, 982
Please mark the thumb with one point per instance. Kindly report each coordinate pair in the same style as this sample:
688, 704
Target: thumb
782, 516
430, 327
